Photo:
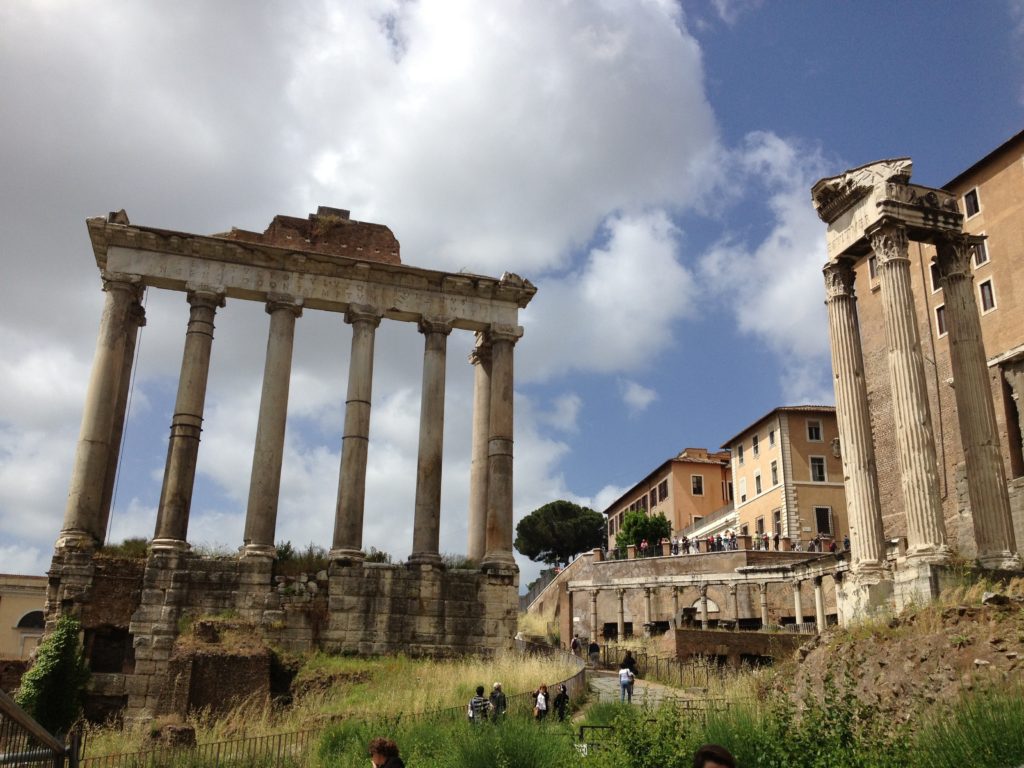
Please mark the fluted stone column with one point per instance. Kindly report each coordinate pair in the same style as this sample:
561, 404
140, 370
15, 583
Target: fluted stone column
819, 605
647, 611
499, 450
926, 530
675, 606
734, 604
620, 625
348, 518
704, 623
136, 320
186, 425
798, 608
593, 614
268, 452
763, 596
481, 360
427, 525
860, 473
84, 520
986, 475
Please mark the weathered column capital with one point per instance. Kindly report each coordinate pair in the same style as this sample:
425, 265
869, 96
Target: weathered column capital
647, 591
205, 296
889, 242
839, 279
481, 354
428, 325
732, 589
122, 281
953, 254
363, 314
816, 580
703, 588
796, 584
621, 592
282, 301
510, 333
763, 587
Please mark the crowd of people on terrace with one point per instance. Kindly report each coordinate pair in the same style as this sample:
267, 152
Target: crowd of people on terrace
729, 540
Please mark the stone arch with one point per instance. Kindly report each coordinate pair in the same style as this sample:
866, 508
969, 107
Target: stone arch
32, 620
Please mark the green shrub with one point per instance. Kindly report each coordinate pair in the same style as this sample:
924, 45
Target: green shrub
51, 691
136, 549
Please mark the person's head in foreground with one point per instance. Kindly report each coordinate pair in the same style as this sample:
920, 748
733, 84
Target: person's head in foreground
382, 751
713, 756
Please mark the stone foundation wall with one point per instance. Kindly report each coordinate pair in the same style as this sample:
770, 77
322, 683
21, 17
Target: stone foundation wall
735, 646
366, 608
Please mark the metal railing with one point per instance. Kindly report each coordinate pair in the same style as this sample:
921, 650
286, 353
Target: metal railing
24, 742
668, 670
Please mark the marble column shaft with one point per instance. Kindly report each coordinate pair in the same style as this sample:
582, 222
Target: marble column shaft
593, 614
481, 360
84, 522
348, 517
499, 449
268, 452
620, 625
763, 597
798, 608
675, 606
734, 600
647, 605
704, 622
854, 420
187, 422
919, 476
979, 435
819, 605
427, 524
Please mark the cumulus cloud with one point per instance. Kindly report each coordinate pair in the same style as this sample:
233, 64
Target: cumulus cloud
773, 285
636, 396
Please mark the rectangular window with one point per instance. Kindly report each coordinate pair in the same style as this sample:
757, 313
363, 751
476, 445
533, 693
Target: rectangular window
936, 282
757, 483
729, 494
641, 503
697, 485
663, 490
818, 469
823, 519
873, 267
814, 431
972, 205
987, 296
940, 320
771, 438
775, 473
739, 454
754, 445
743, 489
980, 253
744, 530
759, 525
654, 498
777, 521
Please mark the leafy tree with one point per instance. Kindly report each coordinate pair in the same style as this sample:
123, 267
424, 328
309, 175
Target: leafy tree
51, 691
558, 531
638, 525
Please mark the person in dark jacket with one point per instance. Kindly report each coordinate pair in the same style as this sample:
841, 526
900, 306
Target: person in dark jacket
561, 703
499, 703
384, 754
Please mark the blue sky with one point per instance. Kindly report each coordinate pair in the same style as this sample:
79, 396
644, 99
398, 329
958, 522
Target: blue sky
646, 164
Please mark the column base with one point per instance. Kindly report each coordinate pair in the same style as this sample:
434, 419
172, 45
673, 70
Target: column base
169, 545
1000, 561
499, 561
432, 559
346, 556
865, 593
933, 554
81, 541
915, 581
261, 551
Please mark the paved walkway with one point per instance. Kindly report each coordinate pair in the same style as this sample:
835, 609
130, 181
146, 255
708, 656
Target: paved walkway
604, 684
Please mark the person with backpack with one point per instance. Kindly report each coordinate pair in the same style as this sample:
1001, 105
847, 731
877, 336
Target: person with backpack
575, 645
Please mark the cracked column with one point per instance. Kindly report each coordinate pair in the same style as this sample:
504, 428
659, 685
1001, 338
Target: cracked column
858, 454
976, 415
919, 477
427, 525
798, 609
499, 450
348, 516
481, 360
186, 425
92, 475
819, 605
268, 452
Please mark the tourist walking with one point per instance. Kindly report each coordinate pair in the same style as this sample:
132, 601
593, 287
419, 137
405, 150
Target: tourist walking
498, 702
626, 679
540, 707
575, 646
384, 754
595, 652
478, 706
561, 703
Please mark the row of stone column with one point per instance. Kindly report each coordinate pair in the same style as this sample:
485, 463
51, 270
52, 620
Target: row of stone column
918, 465
102, 426
819, 605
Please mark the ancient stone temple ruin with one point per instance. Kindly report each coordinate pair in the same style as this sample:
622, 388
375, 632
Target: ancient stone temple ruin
873, 214
132, 612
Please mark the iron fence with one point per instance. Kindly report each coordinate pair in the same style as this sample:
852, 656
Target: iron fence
23, 742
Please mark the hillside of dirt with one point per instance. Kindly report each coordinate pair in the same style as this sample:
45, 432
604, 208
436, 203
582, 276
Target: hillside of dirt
970, 637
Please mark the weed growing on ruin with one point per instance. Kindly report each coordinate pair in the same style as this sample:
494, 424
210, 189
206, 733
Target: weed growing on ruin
51, 691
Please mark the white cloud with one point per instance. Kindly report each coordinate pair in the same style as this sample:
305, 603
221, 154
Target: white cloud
636, 396
564, 412
774, 286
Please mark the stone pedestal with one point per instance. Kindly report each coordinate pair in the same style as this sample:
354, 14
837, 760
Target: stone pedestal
864, 595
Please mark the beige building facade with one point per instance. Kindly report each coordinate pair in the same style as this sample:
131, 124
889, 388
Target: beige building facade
22, 599
788, 476
685, 488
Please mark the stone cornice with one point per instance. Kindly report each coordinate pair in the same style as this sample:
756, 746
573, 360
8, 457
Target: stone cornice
832, 196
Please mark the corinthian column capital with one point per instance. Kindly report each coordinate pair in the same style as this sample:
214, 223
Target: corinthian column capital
839, 278
953, 254
889, 242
